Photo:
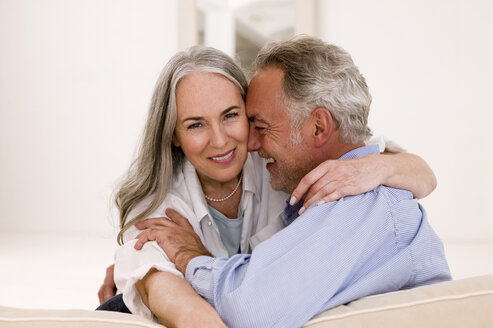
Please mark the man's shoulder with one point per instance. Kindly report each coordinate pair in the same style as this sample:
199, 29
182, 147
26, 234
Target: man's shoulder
375, 213
394, 208
377, 204
394, 195
391, 195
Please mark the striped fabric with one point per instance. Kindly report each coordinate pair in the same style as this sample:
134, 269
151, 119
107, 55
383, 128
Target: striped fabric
372, 243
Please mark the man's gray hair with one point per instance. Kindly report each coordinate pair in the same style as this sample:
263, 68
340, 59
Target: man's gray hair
317, 74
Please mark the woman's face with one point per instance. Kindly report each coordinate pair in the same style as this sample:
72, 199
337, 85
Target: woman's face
211, 126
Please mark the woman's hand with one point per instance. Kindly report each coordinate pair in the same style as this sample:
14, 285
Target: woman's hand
334, 179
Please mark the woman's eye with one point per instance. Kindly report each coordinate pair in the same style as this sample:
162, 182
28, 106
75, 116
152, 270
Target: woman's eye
194, 126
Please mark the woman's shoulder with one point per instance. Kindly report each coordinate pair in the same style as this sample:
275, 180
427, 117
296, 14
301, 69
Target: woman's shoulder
171, 200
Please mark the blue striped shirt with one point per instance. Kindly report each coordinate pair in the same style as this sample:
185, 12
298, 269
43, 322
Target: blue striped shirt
375, 242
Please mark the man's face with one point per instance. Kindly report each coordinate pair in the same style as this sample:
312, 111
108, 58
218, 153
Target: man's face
270, 131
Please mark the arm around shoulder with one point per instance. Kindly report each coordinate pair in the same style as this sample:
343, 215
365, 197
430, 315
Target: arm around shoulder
407, 171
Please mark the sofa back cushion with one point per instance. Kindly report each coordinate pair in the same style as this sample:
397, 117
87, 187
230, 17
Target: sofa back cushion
461, 303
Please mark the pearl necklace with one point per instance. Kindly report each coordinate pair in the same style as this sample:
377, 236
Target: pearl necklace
227, 197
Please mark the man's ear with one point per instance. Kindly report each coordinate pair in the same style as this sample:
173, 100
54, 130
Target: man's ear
323, 126
175, 141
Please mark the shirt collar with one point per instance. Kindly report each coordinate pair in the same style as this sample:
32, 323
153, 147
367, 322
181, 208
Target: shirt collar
249, 177
291, 212
199, 204
361, 151
194, 187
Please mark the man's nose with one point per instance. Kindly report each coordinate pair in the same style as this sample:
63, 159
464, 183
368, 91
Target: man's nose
253, 139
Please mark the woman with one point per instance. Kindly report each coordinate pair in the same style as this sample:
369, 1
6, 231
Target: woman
194, 159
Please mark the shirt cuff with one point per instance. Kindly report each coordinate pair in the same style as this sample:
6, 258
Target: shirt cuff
198, 262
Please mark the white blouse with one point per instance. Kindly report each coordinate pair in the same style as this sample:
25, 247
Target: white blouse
261, 206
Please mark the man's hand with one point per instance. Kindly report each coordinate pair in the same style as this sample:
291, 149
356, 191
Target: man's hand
175, 236
334, 179
108, 288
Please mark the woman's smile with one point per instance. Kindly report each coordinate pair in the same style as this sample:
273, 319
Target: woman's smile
225, 158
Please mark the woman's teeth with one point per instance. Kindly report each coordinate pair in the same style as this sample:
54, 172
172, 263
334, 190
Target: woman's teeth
222, 158
270, 160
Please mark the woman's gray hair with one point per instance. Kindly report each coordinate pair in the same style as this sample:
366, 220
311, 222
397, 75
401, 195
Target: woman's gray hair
151, 174
317, 74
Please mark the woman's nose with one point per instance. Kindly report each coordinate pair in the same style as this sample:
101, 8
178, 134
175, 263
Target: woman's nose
218, 137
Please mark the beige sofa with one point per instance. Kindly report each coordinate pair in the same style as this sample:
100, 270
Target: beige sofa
462, 303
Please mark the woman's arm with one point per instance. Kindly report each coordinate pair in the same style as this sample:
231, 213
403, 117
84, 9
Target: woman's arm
408, 171
153, 286
175, 303
334, 179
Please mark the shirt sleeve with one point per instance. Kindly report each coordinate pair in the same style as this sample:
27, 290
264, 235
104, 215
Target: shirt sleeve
330, 255
132, 265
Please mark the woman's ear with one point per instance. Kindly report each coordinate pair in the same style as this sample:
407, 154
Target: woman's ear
175, 141
323, 125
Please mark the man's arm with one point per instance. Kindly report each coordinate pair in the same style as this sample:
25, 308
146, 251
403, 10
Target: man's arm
334, 179
323, 259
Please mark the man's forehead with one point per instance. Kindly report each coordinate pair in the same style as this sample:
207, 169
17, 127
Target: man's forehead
252, 104
256, 113
253, 112
263, 100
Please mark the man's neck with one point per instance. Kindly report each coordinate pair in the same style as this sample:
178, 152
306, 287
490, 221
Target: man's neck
336, 147
345, 148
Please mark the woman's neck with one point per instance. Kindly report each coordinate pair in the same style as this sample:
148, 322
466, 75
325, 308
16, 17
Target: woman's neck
219, 190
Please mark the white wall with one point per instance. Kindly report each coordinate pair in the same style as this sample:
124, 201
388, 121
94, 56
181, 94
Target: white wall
429, 66
76, 77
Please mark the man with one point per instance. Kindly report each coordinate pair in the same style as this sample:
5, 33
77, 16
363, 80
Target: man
307, 103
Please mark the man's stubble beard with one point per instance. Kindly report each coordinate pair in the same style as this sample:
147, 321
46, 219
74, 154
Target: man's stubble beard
288, 175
